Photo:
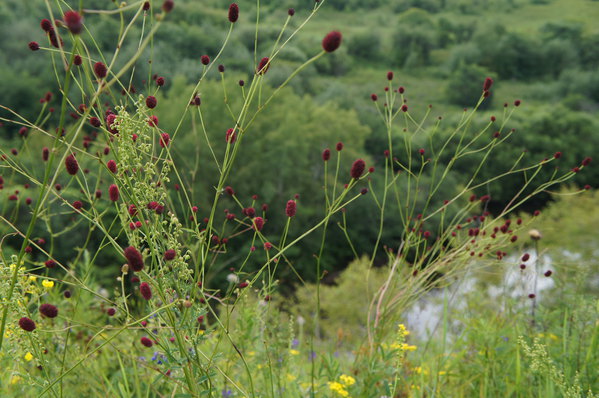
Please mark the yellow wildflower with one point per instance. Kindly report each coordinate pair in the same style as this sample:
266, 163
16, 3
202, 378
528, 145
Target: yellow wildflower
338, 388
28, 357
347, 380
15, 379
47, 284
403, 330
291, 377
32, 278
294, 352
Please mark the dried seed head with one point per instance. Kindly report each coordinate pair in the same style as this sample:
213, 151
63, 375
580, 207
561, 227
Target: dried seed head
331, 41
535, 234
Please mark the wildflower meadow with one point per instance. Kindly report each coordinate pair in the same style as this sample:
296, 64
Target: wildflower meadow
299, 198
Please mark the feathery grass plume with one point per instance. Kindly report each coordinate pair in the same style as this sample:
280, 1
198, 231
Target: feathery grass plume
331, 41
233, 12
357, 169
134, 258
48, 310
71, 165
145, 290
113, 192
74, 21
27, 324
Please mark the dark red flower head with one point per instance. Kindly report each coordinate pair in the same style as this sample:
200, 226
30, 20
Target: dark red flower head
205, 59
331, 41
48, 310
258, 223
290, 208
221, 68
145, 290
34, 46
170, 254
291, 12
586, 161
151, 102
46, 25
230, 136
45, 154
229, 191
113, 192
71, 165
160, 81
233, 12
74, 21
27, 324
390, 75
165, 139
50, 263
357, 169
146, 342
134, 258
326, 154
487, 84
112, 166
339, 146
374, 97
263, 66
100, 70
168, 5
146, 6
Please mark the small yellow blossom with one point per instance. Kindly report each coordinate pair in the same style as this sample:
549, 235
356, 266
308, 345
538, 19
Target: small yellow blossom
294, 352
442, 372
338, 388
15, 379
403, 330
290, 377
47, 284
347, 380
28, 357
32, 278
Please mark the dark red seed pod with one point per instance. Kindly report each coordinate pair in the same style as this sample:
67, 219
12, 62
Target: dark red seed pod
74, 21
100, 70
67, 294
404, 108
160, 81
245, 284
153, 121
168, 5
487, 84
50, 263
241, 83
374, 97
229, 191
586, 161
48, 310
111, 311
78, 205
45, 154
390, 75
364, 191
170, 254
112, 166
146, 342
531, 296
233, 12
134, 258
145, 290
71, 165
27, 324
291, 208
151, 102
326, 155
94, 121
517, 103
205, 60
258, 223
146, 6
522, 266
331, 41
525, 257
548, 273
113, 192
291, 12
263, 66
54, 39
557, 155
514, 238
46, 25
339, 146
250, 212
221, 68
357, 169
34, 46
98, 194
